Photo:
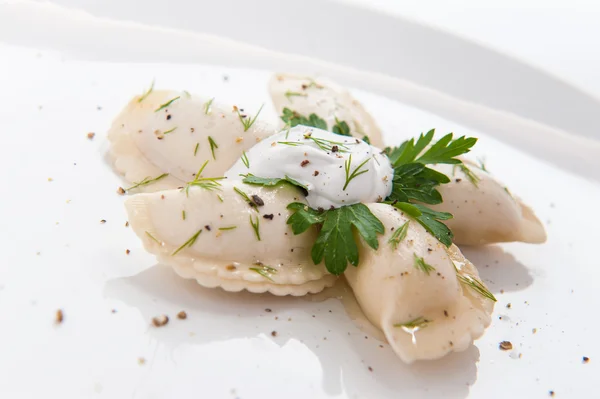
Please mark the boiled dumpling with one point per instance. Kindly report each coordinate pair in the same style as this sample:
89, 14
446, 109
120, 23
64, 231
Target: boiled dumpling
426, 298
484, 210
216, 237
174, 133
327, 100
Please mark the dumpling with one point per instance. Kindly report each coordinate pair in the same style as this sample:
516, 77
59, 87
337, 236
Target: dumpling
174, 133
327, 100
426, 298
484, 210
216, 237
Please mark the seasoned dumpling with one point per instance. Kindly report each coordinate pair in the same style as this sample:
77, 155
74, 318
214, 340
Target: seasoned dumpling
219, 239
174, 133
418, 292
484, 210
327, 100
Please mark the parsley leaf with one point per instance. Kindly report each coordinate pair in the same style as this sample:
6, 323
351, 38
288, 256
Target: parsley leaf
293, 118
272, 181
335, 242
445, 150
430, 219
341, 128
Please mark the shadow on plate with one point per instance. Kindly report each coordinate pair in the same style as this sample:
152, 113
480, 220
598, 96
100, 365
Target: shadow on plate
346, 354
498, 268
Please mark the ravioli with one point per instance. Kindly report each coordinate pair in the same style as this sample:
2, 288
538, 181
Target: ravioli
425, 312
174, 133
217, 238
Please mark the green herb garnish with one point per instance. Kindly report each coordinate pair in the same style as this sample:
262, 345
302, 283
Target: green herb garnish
423, 266
245, 160
293, 118
366, 140
246, 121
196, 148
183, 215
341, 128
398, 235
147, 93
188, 243
473, 178
335, 242
207, 106
153, 238
227, 228
146, 181
220, 197
474, 284
264, 270
357, 172
415, 182
165, 105
419, 322
213, 146
290, 94
207, 183
170, 130
255, 226
272, 182
246, 198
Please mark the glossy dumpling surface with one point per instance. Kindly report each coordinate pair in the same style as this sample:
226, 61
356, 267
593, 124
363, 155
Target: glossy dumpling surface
423, 314
229, 251
484, 210
175, 133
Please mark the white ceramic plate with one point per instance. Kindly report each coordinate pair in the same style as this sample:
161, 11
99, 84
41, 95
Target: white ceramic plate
56, 254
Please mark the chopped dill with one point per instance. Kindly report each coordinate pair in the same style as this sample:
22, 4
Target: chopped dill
153, 238
146, 181
147, 93
165, 105
207, 106
423, 266
255, 226
398, 235
188, 243
245, 160
213, 145
246, 121
196, 148
355, 173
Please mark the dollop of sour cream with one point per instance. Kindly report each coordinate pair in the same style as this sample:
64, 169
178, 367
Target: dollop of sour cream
337, 170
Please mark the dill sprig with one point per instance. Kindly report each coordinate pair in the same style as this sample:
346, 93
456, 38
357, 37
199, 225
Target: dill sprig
165, 105
146, 181
398, 235
207, 106
423, 266
243, 195
473, 178
255, 226
213, 146
245, 160
288, 94
147, 93
207, 183
188, 243
474, 284
170, 131
183, 214
418, 323
357, 172
246, 121
264, 270
196, 148
227, 228
220, 197
153, 238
